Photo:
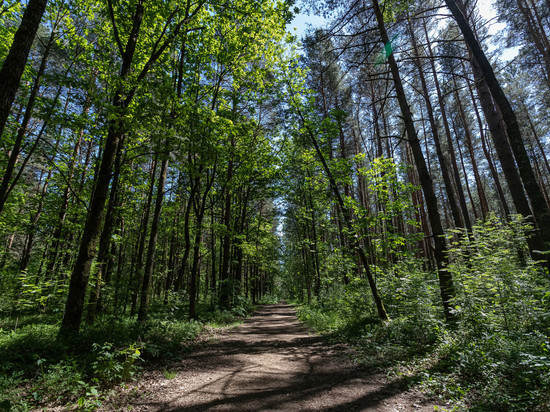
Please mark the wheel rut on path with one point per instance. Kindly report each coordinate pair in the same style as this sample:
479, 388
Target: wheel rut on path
270, 363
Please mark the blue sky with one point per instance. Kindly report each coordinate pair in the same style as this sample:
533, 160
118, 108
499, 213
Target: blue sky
301, 22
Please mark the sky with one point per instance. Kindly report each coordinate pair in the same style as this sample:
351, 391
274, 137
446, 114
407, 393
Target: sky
301, 22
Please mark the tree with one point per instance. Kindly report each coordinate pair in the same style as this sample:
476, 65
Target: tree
513, 131
445, 278
121, 101
14, 63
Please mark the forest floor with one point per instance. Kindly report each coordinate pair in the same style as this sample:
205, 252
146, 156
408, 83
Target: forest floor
270, 363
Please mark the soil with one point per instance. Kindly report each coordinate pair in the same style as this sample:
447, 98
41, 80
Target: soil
270, 363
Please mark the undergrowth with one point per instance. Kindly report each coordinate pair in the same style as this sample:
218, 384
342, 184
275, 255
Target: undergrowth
477, 371
39, 370
496, 357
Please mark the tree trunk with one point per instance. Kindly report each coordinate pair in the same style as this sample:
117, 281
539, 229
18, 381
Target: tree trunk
14, 64
135, 281
213, 282
536, 32
540, 208
22, 131
94, 303
484, 145
238, 245
225, 286
443, 162
445, 278
58, 232
186, 236
538, 142
506, 158
79, 278
448, 136
26, 256
193, 276
347, 217
464, 171
151, 249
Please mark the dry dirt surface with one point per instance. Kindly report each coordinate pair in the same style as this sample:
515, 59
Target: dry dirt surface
270, 363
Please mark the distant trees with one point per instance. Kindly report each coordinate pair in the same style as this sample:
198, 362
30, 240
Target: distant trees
162, 159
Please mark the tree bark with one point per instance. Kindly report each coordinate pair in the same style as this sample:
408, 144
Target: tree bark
14, 64
540, 208
94, 303
79, 278
443, 161
484, 145
151, 249
186, 238
445, 278
506, 158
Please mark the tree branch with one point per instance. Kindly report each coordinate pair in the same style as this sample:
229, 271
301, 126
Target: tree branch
115, 28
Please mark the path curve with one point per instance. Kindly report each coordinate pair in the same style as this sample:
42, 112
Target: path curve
271, 363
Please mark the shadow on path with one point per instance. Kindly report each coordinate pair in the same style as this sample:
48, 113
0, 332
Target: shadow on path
270, 363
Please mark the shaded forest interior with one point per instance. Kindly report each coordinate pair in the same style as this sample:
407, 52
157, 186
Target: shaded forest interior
169, 165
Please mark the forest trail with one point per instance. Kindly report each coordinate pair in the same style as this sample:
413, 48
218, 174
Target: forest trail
270, 363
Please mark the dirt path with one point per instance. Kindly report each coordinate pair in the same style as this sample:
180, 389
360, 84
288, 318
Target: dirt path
270, 363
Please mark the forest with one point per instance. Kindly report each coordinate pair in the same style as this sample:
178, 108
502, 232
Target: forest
167, 166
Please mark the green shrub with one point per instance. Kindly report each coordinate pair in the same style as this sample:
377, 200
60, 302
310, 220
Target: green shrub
59, 381
496, 357
114, 365
37, 368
